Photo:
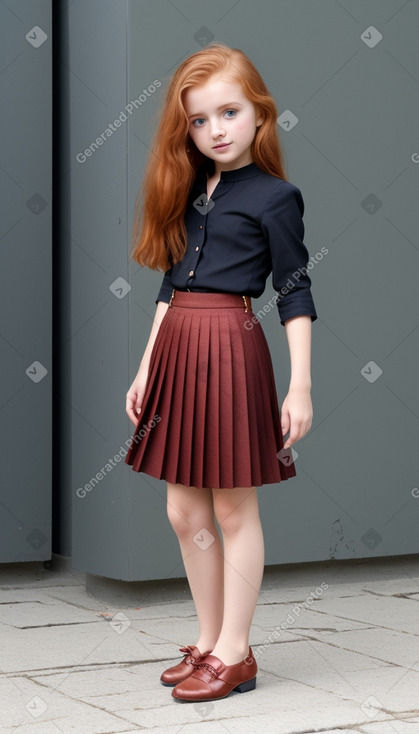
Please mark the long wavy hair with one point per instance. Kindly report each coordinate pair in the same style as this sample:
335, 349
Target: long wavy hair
159, 237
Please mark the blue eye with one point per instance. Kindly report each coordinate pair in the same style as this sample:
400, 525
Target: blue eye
201, 119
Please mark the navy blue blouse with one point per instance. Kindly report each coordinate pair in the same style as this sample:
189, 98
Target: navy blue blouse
250, 226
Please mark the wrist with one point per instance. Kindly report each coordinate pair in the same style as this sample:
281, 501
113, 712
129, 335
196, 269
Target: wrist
300, 385
145, 362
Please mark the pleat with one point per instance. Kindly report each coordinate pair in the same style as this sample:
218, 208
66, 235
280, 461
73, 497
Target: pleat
148, 453
186, 401
268, 408
199, 448
158, 362
227, 402
172, 398
212, 387
241, 408
274, 436
212, 409
252, 389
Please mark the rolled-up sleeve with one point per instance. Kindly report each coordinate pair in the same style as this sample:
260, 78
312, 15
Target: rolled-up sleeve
166, 287
283, 226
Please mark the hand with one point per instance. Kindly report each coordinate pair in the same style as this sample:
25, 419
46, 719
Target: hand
135, 394
296, 414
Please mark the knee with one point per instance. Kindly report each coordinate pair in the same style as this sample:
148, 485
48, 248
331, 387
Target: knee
229, 519
186, 522
232, 515
177, 519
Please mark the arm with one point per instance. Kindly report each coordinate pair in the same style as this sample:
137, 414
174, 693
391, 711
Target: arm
297, 409
136, 392
158, 318
283, 225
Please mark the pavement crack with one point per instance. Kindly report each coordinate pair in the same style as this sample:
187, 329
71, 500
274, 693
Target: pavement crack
79, 667
356, 652
52, 624
376, 626
399, 595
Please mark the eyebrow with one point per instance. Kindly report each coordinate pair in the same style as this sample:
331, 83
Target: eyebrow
227, 104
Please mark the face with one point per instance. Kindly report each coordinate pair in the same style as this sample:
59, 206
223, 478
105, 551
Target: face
220, 113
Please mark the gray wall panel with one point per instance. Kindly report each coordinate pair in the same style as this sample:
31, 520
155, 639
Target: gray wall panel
25, 282
351, 155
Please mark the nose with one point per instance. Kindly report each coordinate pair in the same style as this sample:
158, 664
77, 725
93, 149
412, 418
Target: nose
216, 129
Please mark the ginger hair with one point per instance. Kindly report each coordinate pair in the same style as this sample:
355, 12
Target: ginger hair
159, 237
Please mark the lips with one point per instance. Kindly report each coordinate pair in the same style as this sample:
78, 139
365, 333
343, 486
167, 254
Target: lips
223, 145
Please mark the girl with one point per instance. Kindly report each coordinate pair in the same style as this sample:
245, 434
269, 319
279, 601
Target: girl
219, 216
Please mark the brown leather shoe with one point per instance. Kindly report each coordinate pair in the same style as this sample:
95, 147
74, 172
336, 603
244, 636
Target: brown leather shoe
179, 672
211, 679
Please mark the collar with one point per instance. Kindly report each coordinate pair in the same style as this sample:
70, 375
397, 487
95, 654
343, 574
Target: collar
237, 174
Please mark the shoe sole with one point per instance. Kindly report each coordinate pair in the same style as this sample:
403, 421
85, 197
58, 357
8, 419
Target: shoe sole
248, 685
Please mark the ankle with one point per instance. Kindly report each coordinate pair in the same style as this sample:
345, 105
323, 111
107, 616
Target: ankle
231, 653
204, 645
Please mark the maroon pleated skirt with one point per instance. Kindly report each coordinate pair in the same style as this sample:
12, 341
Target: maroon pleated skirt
210, 415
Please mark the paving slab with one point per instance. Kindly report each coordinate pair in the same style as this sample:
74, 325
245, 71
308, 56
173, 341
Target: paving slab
375, 643
392, 612
345, 658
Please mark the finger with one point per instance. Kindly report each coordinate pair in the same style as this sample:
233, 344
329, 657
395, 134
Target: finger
289, 442
131, 411
285, 425
292, 438
131, 416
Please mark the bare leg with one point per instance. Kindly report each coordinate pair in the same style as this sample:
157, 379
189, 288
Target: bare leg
237, 513
191, 510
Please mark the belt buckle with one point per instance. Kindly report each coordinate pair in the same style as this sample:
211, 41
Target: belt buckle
245, 304
172, 296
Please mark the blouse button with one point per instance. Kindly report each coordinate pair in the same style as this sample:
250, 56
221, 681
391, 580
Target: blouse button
200, 226
191, 272
196, 248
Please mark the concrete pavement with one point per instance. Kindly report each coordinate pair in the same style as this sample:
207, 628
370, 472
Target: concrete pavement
337, 645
